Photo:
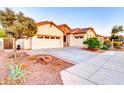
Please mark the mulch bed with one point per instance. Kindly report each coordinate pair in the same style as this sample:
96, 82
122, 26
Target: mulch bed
93, 50
42, 74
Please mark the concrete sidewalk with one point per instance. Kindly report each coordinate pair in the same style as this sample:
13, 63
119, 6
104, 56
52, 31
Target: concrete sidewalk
107, 68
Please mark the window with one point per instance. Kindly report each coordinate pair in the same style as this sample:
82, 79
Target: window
40, 36
52, 37
57, 37
81, 36
46, 37
76, 37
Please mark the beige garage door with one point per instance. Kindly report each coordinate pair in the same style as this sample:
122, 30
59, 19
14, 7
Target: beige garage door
46, 42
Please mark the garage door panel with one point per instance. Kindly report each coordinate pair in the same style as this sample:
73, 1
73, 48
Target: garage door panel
45, 43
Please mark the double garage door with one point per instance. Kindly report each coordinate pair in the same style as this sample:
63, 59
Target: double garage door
46, 42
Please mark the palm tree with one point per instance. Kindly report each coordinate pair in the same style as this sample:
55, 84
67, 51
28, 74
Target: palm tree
116, 29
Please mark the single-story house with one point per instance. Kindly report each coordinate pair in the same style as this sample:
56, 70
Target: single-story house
50, 35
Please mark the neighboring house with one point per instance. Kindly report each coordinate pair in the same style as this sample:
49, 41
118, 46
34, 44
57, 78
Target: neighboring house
101, 38
78, 35
50, 35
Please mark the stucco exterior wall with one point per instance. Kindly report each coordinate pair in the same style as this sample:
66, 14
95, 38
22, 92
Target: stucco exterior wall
51, 30
24, 43
79, 42
75, 42
101, 39
20, 42
89, 34
1, 44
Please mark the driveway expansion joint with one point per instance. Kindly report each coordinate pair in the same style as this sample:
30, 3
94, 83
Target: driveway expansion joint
80, 77
101, 66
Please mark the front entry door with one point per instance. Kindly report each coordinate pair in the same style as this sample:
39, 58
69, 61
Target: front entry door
65, 41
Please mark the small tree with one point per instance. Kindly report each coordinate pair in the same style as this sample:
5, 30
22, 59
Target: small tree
92, 43
17, 25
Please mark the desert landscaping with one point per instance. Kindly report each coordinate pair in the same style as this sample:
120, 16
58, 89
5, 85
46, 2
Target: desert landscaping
41, 69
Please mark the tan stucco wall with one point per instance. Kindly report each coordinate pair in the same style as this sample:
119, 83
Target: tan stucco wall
101, 39
75, 42
89, 34
38, 43
79, 42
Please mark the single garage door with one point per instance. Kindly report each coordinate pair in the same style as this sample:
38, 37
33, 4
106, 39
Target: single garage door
46, 42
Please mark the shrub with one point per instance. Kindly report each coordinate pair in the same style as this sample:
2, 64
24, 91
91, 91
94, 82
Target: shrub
107, 42
104, 47
115, 43
108, 45
92, 43
117, 47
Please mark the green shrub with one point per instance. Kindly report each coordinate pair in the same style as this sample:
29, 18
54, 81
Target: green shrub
117, 47
92, 43
104, 47
108, 45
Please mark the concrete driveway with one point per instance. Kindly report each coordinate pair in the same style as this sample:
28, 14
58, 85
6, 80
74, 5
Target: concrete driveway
90, 68
73, 54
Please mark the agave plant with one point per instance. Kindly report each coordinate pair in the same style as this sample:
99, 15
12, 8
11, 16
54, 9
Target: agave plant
17, 72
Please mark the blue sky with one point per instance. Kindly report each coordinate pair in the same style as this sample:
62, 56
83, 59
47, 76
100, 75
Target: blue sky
101, 19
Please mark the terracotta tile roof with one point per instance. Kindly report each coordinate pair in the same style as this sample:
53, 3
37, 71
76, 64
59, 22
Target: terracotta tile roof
64, 25
44, 22
81, 30
99, 35
65, 28
102, 36
76, 30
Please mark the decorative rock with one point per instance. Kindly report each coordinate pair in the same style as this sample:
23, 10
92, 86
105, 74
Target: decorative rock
44, 59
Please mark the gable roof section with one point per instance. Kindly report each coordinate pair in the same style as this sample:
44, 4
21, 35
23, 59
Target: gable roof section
81, 30
99, 35
65, 28
48, 22
64, 25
